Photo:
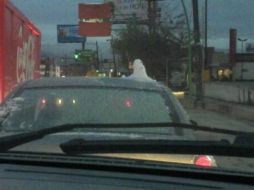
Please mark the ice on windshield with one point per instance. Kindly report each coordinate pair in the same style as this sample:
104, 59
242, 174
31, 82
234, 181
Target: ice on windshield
11, 106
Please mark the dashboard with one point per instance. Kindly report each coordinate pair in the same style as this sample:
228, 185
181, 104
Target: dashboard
26, 177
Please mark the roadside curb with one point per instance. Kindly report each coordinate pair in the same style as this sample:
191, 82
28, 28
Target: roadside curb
232, 109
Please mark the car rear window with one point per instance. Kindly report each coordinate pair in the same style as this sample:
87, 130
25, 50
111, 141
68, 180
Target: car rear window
45, 107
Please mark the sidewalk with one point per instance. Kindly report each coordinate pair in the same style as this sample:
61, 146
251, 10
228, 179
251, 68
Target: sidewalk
235, 92
236, 110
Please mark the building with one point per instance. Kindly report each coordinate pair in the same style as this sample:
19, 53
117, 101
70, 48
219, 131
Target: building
244, 66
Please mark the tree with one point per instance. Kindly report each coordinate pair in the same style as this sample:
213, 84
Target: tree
155, 49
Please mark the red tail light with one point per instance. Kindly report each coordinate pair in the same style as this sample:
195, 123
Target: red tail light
128, 103
43, 101
203, 161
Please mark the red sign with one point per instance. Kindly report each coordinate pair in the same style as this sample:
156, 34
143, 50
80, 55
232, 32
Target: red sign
94, 19
95, 10
95, 29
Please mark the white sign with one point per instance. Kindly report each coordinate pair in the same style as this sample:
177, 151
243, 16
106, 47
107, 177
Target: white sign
127, 8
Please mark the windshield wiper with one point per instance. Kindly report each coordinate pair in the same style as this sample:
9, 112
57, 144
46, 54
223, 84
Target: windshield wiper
152, 146
12, 141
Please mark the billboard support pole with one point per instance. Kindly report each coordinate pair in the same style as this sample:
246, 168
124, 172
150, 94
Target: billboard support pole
83, 45
97, 55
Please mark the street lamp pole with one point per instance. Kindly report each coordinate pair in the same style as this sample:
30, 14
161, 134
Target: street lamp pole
206, 17
242, 42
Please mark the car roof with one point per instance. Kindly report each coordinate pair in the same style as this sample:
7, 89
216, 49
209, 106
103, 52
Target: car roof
93, 82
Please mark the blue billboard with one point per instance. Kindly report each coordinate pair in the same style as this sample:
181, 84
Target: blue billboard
69, 34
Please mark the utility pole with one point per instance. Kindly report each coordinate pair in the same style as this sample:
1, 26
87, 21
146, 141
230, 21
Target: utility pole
197, 55
206, 53
196, 21
115, 66
97, 56
242, 42
153, 14
114, 57
83, 46
149, 2
189, 48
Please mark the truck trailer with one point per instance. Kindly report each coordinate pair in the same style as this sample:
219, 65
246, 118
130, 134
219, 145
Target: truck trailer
20, 43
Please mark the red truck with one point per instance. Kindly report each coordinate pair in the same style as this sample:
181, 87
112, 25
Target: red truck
20, 43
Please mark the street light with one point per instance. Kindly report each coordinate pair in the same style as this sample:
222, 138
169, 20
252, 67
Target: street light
242, 41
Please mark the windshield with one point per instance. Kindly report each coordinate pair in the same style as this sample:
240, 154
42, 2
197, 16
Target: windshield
134, 70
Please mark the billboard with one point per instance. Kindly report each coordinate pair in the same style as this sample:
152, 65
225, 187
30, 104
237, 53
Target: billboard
125, 9
94, 19
69, 34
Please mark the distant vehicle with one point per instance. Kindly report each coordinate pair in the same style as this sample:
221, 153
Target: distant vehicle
19, 48
177, 81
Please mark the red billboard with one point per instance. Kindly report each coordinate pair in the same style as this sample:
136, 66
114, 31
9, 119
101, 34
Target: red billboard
94, 19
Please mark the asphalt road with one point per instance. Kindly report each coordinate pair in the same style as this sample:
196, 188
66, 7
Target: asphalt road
213, 119
218, 120
240, 84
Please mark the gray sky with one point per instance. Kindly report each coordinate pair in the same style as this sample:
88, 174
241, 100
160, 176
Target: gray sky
225, 14
222, 15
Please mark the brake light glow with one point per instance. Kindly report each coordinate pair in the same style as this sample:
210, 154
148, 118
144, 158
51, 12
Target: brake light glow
128, 103
203, 161
43, 101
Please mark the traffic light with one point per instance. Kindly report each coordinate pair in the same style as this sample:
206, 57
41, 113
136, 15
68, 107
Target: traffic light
76, 55
84, 56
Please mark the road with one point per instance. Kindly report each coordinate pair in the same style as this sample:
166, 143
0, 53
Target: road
218, 120
208, 118
240, 84
213, 119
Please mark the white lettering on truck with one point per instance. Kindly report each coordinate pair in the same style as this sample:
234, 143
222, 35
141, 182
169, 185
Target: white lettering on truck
25, 58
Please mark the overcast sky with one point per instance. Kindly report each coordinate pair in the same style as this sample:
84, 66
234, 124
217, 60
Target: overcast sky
222, 15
